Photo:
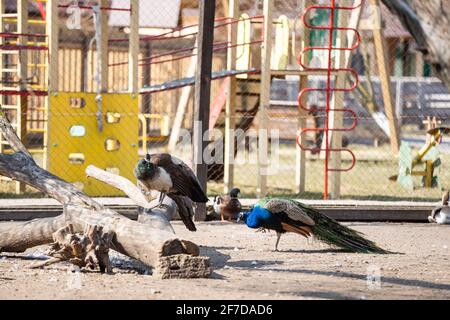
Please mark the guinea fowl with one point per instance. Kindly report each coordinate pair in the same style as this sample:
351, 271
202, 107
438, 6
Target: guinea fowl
284, 215
172, 177
228, 205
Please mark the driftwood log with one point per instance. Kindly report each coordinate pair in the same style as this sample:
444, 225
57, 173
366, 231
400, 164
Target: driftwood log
150, 240
85, 250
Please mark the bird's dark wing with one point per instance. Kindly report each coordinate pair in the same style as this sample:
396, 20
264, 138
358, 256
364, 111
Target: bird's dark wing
293, 212
185, 210
233, 206
183, 178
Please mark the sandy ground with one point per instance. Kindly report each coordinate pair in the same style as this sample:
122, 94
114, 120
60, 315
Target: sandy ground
245, 267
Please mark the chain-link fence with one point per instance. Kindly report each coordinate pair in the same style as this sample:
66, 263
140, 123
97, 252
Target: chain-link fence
95, 116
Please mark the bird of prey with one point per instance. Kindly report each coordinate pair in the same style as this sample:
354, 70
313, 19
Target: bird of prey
228, 205
284, 215
441, 214
172, 177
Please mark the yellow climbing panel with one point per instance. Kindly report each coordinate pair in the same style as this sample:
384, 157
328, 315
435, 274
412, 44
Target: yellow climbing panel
75, 140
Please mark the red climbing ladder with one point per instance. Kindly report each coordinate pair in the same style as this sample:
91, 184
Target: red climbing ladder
329, 70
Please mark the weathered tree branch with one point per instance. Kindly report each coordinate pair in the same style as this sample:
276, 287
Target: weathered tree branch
10, 135
19, 236
157, 217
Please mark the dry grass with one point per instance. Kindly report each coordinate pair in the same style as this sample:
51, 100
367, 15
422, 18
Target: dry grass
367, 180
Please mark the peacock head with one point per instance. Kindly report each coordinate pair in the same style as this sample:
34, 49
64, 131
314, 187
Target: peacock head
257, 210
144, 169
234, 192
242, 216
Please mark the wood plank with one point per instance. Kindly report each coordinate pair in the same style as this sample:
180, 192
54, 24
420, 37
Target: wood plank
52, 29
263, 154
385, 79
22, 107
133, 56
103, 47
3, 99
183, 102
29, 209
230, 107
336, 103
202, 92
300, 155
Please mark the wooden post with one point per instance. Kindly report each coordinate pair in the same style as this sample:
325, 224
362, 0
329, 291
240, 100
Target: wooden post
336, 103
202, 95
104, 46
53, 68
182, 103
351, 38
133, 54
22, 71
2, 97
264, 100
300, 167
385, 80
230, 106
53, 45
147, 79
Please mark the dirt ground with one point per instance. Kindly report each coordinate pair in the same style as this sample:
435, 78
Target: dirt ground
245, 267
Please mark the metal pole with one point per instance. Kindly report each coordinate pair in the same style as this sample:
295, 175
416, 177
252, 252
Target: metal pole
202, 94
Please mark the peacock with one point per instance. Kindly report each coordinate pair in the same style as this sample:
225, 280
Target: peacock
169, 175
285, 215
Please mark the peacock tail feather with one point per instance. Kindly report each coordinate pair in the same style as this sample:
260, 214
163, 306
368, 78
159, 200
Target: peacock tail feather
333, 233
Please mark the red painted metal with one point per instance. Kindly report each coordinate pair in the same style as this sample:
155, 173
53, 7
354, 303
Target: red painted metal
333, 8
164, 36
24, 93
42, 10
14, 47
17, 35
218, 45
92, 8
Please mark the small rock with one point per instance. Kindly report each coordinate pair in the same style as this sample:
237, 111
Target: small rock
254, 263
236, 249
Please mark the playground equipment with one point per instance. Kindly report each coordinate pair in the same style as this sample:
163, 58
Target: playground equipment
427, 157
254, 59
71, 139
339, 86
85, 144
20, 36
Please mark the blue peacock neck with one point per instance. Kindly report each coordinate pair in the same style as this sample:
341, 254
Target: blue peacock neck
257, 217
